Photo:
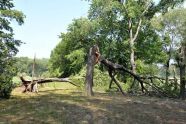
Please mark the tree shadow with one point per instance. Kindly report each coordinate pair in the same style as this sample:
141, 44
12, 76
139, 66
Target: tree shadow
75, 108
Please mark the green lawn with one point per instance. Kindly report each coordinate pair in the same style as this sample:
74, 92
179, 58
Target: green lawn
62, 103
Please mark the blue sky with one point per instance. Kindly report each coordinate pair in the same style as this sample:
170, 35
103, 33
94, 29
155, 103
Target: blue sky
45, 20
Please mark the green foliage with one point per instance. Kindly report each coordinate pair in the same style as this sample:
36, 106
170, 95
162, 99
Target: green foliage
76, 58
108, 27
6, 75
101, 78
8, 45
24, 65
69, 55
146, 69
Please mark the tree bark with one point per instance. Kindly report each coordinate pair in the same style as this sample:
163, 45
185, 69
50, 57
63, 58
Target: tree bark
113, 79
182, 65
167, 73
115, 66
131, 43
90, 70
182, 82
31, 85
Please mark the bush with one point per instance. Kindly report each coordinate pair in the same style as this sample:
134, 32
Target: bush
5, 89
8, 70
6, 85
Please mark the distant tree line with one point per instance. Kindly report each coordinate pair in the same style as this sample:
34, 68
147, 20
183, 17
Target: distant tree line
24, 65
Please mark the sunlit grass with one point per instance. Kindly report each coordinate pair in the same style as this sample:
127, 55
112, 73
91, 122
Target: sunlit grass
62, 103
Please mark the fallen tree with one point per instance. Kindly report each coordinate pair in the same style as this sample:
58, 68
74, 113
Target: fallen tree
112, 68
31, 85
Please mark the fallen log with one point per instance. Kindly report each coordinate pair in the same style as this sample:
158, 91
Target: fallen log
114, 66
30, 84
47, 80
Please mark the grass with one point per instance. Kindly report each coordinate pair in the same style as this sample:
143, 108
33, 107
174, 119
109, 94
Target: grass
62, 103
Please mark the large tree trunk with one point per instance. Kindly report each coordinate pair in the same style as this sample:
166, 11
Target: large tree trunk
167, 73
90, 70
182, 65
182, 82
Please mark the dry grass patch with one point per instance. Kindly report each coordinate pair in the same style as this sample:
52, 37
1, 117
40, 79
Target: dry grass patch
65, 104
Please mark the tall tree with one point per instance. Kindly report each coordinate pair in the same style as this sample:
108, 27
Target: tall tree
171, 28
167, 28
68, 57
136, 13
123, 20
8, 45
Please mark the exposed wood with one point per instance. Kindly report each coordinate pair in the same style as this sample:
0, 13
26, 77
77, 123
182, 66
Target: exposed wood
90, 69
29, 85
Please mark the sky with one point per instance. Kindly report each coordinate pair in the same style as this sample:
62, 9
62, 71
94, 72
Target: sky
44, 22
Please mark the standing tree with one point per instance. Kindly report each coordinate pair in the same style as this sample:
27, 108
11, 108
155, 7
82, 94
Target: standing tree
126, 29
8, 45
171, 27
137, 13
68, 57
121, 22
181, 59
167, 27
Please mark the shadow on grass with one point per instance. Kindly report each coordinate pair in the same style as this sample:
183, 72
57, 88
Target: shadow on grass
52, 106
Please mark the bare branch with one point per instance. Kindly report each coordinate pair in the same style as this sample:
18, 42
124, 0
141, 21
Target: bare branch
137, 31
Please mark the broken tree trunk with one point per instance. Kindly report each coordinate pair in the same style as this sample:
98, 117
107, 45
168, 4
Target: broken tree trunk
90, 70
93, 58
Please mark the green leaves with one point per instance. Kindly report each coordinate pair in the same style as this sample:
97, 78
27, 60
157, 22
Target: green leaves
107, 26
8, 45
76, 59
13, 14
69, 55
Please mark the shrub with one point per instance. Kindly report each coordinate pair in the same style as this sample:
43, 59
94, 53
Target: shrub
6, 83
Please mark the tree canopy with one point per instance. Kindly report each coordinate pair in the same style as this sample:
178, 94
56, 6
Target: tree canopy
126, 32
8, 45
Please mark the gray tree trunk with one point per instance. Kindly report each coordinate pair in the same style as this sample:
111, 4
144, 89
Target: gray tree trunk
167, 73
90, 70
182, 82
182, 66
